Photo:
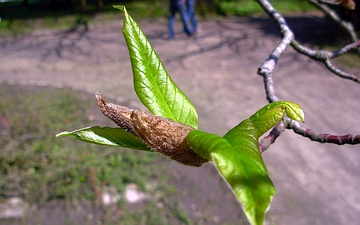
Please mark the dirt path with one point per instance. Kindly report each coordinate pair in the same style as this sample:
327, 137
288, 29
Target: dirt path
316, 183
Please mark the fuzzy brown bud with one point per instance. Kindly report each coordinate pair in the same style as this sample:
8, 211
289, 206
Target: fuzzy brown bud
162, 135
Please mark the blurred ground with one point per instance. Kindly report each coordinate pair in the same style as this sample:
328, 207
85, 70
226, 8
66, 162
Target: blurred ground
316, 183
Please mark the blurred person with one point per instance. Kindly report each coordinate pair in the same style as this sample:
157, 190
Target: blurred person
179, 6
190, 4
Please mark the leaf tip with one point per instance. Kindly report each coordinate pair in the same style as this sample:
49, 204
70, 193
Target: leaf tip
120, 7
64, 133
302, 115
294, 111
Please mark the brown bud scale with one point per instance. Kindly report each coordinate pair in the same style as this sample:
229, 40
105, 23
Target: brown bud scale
162, 135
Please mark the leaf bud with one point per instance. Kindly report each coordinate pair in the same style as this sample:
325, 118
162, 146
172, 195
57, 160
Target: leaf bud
162, 135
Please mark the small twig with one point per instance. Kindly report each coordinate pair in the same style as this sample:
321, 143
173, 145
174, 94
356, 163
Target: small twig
340, 73
349, 4
268, 66
335, 17
266, 69
350, 139
269, 88
272, 136
322, 55
332, 2
287, 123
325, 56
346, 49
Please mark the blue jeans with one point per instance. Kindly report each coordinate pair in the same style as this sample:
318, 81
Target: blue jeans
178, 5
190, 4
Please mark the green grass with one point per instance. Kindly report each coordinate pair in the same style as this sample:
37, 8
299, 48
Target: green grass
21, 20
252, 8
39, 167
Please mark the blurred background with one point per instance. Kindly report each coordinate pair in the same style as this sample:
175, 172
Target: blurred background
22, 16
54, 54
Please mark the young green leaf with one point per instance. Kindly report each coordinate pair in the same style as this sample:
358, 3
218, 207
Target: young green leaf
268, 116
258, 190
238, 158
152, 83
241, 167
107, 136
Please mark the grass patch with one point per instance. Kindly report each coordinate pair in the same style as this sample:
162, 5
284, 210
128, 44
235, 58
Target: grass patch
20, 20
252, 8
39, 167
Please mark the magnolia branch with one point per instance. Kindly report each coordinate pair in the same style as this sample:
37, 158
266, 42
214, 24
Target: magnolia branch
313, 135
325, 56
320, 137
267, 67
335, 17
272, 136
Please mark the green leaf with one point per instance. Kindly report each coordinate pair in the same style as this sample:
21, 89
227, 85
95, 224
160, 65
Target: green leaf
268, 116
207, 145
107, 136
246, 173
258, 190
238, 158
153, 85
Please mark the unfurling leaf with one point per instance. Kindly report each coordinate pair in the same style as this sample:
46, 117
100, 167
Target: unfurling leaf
238, 158
268, 116
241, 167
152, 83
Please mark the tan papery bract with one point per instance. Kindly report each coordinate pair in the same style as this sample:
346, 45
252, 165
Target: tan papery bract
162, 135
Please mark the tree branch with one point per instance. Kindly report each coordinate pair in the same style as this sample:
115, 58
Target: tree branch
325, 56
321, 137
265, 143
267, 67
335, 17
